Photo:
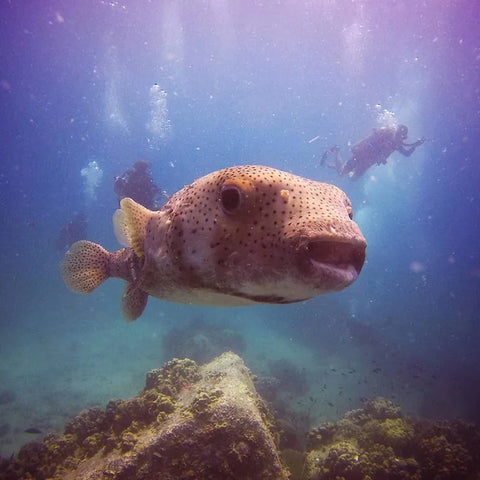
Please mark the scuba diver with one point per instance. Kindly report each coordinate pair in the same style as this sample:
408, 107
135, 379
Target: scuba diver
137, 183
374, 149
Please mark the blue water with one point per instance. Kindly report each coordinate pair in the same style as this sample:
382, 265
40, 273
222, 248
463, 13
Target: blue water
194, 86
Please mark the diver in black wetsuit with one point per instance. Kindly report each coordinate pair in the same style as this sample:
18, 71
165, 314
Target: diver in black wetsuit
374, 149
137, 183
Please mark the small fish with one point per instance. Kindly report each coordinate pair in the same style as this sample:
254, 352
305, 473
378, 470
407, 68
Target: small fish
32, 430
238, 236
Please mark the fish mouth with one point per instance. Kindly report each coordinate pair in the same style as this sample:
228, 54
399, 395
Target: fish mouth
337, 261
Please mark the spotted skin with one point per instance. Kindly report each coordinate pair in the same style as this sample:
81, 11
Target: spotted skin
242, 235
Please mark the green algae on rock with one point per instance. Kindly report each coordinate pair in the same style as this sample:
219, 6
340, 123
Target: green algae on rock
377, 442
189, 422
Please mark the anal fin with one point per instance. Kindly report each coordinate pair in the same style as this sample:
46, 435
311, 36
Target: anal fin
134, 302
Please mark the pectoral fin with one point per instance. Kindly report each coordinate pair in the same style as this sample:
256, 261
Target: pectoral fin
134, 302
130, 225
120, 228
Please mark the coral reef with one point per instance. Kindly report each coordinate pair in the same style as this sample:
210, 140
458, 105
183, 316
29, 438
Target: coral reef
377, 442
189, 422
208, 422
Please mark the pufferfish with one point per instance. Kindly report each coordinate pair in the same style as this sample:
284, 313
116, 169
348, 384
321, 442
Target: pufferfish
238, 236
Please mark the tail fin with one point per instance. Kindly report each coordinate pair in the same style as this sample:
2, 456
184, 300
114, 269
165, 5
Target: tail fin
85, 266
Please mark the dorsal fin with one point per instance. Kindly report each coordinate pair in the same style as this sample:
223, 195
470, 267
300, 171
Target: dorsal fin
134, 221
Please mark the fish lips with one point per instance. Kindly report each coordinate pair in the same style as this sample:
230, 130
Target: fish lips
335, 263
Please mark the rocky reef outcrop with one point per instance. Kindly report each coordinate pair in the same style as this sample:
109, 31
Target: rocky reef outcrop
377, 442
195, 422
189, 422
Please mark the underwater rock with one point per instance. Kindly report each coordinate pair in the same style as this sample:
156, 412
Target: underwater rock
378, 442
290, 377
189, 422
202, 341
268, 387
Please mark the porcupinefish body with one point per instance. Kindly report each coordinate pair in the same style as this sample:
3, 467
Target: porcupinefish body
238, 236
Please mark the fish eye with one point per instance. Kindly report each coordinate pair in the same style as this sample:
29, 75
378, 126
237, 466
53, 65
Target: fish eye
231, 198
